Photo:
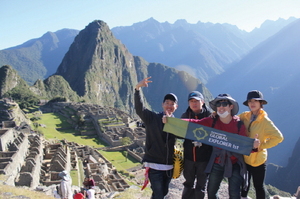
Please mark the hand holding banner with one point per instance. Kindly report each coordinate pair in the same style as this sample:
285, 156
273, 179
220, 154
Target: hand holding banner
210, 136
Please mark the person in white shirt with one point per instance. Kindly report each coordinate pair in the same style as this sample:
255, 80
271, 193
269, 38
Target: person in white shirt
91, 193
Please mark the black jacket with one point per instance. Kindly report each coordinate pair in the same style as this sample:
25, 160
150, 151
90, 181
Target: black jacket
159, 144
192, 153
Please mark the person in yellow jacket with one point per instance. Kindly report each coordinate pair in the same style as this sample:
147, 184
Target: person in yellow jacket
258, 125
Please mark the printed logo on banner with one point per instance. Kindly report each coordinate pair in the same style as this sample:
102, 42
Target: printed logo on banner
200, 133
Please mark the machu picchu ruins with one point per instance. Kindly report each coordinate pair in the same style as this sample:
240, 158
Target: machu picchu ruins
28, 159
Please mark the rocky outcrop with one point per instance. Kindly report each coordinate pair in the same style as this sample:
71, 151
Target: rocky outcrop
55, 86
9, 79
286, 178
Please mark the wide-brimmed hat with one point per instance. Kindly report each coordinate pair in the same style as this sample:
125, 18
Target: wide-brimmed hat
195, 95
257, 95
64, 175
220, 97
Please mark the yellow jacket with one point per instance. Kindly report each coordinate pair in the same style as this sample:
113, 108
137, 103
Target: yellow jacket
268, 134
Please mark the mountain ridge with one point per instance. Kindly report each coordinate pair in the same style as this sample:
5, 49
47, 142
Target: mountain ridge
272, 67
278, 55
39, 63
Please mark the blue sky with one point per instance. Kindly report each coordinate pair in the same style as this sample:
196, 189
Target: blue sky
22, 20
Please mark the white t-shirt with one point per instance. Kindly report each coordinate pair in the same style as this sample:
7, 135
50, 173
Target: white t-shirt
91, 193
161, 167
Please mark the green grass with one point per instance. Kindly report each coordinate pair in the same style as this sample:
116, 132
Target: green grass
31, 109
119, 160
74, 176
53, 121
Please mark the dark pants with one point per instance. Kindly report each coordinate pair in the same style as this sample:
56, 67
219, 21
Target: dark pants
258, 175
215, 178
191, 171
160, 181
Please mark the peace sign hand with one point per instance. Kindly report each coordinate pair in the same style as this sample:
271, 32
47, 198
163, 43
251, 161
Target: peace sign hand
143, 83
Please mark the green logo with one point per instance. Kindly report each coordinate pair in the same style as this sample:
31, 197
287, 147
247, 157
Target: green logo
200, 133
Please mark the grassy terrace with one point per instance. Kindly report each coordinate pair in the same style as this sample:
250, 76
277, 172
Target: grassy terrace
53, 121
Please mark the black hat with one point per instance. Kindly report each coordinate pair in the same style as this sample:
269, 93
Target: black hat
220, 97
257, 95
171, 96
195, 95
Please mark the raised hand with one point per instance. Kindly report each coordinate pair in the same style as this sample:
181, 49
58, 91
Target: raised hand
143, 83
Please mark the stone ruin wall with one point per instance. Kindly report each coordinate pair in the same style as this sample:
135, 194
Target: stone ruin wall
15, 146
30, 171
105, 175
30, 161
27, 160
113, 133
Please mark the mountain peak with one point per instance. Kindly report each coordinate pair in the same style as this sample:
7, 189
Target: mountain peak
97, 24
9, 79
98, 65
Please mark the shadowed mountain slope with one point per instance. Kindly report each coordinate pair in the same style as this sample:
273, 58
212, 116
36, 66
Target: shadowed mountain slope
273, 68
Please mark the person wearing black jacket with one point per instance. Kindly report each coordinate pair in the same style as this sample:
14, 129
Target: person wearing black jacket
196, 154
159, 149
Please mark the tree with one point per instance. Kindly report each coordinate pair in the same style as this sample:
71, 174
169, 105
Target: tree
23, 96
126, 141
125, 153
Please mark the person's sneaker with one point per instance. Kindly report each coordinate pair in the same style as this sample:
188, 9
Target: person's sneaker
246, 197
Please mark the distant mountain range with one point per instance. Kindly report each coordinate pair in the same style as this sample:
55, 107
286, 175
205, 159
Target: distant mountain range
273, 68
96, 67
99, 69
203, 49
39, 58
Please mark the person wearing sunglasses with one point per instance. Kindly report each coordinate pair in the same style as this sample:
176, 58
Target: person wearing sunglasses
258, 125
223, 163
196, 154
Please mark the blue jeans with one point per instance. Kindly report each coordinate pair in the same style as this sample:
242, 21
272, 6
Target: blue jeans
215, 178
160, 181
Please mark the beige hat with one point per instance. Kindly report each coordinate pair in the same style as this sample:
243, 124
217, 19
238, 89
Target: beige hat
220, 97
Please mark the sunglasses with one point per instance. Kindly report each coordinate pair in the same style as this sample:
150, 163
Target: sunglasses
223, 103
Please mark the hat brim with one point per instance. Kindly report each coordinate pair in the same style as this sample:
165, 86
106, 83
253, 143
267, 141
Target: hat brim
64, 176
259, 99
196, 98
235, 109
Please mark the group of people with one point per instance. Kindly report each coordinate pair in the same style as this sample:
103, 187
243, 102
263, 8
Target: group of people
65, 189
206, 166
